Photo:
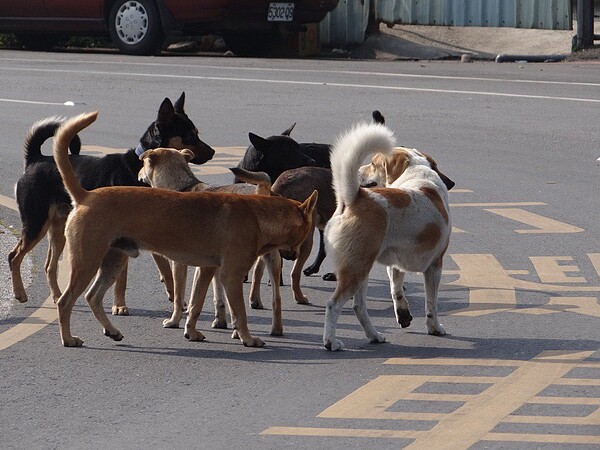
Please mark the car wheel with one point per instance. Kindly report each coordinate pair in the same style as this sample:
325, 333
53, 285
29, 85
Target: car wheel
135, 27
252, 43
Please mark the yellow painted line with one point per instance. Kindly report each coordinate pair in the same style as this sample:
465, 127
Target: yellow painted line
41, 317
8, 202
541, 224
567, 400
456, 362
477, 418
341, 432
541, 438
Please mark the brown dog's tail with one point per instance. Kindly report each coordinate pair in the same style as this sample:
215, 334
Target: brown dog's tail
63, 137
260, 179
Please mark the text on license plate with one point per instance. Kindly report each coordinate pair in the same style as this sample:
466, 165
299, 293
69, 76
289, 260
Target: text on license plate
280, 12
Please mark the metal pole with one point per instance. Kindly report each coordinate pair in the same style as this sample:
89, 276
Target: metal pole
585, 24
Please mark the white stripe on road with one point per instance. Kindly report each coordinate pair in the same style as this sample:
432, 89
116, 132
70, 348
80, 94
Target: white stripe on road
311, 83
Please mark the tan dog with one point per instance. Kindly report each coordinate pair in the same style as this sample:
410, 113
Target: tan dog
214, 230
405, 226
168, 168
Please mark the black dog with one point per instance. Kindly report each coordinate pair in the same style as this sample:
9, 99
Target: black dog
44, 204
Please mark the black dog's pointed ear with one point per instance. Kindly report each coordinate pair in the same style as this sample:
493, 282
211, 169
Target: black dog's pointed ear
259, 143
180, 103
289, 130
165, 112
378, 117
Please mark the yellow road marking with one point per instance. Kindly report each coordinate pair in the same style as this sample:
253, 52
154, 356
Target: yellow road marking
541, 224
341, 432
41, 317
8, 202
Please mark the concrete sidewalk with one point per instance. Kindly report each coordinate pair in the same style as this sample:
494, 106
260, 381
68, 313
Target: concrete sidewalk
409, 42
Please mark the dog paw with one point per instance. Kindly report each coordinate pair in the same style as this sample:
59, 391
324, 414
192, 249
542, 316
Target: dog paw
115, 335
436, 329
194, 335
235, 334
302, 300
120, 311
72, 341
253, 342
333, 345
256, 304
21, 297
404, 318
219, 323
377, 339
309, 271
329, 277
170, 323
277, 331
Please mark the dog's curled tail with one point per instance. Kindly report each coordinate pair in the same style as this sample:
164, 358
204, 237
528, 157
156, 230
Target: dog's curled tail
64, 135
348, 153
260, 179
41, 131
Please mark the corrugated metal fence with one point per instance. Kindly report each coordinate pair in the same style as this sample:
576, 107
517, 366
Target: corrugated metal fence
348, 22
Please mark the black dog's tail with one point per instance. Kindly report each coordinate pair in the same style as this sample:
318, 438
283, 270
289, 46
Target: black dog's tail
39, 132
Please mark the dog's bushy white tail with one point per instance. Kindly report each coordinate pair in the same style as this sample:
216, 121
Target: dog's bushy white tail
349, 152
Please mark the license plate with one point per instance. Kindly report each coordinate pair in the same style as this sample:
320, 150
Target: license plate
280, 12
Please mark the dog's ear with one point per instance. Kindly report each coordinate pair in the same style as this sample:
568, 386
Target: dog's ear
309, 204
165, 112
289, 130
179, 104
261, 144
188, 154
147, 155
394, 167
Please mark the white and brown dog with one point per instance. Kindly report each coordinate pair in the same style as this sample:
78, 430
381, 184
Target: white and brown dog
213, 231
404, 225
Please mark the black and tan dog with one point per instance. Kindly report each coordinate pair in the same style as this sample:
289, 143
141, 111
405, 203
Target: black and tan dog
203, 229
44, 204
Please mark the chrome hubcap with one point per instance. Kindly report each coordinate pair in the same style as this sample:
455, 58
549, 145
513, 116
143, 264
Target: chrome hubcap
131, 22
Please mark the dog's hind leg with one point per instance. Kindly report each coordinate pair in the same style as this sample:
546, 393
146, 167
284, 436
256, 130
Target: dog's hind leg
15, 258
273, 260
179, 283
433, 276
257, 274
166, 276
219, 300
348, 284
110, 270
316, 265
119, 308
303, 255
401, 308
360, 309
56, 245
202, 278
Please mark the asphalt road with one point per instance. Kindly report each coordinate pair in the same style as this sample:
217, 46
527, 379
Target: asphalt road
520, 367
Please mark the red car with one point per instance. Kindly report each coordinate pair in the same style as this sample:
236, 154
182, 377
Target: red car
142, 27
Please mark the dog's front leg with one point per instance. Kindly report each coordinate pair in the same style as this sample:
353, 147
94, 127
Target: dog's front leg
273, 260
433, 276
401, 308
179, 283
202, 279
220, 320
166, 276
360, 309
316, 265
119, 307
303, 255
233, 283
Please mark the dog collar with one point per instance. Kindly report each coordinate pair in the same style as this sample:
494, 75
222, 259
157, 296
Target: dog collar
139, 149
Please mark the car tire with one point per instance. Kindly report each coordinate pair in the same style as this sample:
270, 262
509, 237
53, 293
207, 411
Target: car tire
252, 43
135, 27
